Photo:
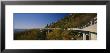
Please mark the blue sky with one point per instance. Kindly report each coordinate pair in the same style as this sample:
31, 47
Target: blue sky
35, 20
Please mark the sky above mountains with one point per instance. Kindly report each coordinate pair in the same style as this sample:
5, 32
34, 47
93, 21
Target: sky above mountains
35, 20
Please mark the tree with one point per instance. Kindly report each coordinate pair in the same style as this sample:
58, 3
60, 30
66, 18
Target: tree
55, 35
47, 26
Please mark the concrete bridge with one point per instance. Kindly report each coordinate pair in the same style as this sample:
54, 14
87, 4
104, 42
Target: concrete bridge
89, 30
87, 34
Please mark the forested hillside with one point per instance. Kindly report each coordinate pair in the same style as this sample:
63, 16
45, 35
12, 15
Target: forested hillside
74, 20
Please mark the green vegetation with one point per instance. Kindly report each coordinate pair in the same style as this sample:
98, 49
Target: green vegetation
32, 34
55, 34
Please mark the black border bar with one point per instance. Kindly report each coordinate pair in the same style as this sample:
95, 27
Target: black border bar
55, 2
2, 26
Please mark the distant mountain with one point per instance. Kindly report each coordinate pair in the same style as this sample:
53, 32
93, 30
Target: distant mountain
74, 20
19, 30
